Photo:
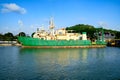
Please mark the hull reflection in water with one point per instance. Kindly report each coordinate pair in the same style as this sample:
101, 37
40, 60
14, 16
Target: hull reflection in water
62, 57
70, 63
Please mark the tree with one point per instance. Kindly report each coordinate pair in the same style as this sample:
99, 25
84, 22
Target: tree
33, 34
1, 37
83, 28
8, 36
117, 35
21, 34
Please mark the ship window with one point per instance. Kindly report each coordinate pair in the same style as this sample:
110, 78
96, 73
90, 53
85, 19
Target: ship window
60, 32
42, 38
112, 34
80, 38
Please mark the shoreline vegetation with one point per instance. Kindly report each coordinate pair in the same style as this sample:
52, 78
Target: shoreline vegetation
8, 39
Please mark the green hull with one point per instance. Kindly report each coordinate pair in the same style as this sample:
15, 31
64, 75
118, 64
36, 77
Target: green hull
29, 41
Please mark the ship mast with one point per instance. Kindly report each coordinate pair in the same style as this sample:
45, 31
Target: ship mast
52, 26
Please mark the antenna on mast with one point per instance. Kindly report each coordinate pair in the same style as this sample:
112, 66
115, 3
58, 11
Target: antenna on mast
51, 23
52, 26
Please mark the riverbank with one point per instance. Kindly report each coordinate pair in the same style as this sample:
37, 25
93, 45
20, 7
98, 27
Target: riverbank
9, 43
17, 44
5, 44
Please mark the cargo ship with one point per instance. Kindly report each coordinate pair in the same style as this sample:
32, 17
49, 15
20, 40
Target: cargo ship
60, 38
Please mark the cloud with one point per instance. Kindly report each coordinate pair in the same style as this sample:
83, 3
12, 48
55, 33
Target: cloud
20, 23
12, 7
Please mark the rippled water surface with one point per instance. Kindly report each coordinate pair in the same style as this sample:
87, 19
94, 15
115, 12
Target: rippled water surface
59, 64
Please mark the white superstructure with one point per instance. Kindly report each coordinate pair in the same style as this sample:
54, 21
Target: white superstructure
60, 34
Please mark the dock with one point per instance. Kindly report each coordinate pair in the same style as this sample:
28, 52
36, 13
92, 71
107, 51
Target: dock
9, 43
113, 42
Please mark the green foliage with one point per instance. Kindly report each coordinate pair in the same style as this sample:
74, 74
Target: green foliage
1, 37
8, 36
117, 35
21, 34
33, 34
91, 30
83, 28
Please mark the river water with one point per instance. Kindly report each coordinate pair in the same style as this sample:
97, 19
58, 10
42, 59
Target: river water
18, 63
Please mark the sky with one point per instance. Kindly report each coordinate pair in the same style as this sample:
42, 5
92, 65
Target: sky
28, 15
